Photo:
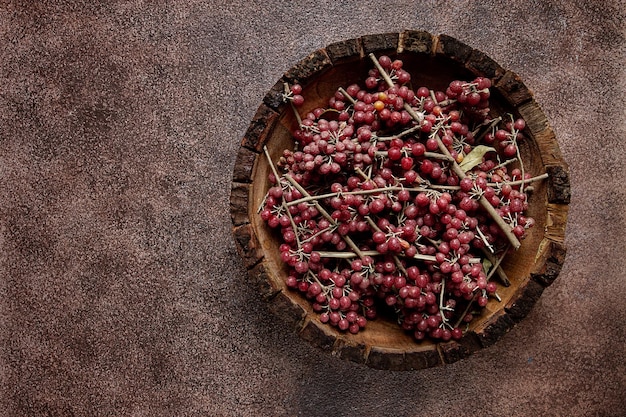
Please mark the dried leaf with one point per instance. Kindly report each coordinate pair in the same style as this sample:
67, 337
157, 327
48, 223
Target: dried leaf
487, 265
475, 157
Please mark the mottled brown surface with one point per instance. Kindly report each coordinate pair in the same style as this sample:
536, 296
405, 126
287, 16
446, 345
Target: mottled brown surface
121, 292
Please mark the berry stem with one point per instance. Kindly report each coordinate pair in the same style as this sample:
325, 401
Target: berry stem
521, 163
381, 70
375, 227
345, 255
507, 162
293, 107
433, 97
427, 154
446, 102
399, 135
526, 181
359, 192
310, 198
485, 241
490, 125
436, 155
269, 160
419, 117
443, 187
346, 95
442, 308
324, 213
497, 268
467, 309
283, 203
362, 174
350, 255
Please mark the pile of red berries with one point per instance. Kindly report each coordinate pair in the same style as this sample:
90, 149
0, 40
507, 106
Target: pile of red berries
399, 202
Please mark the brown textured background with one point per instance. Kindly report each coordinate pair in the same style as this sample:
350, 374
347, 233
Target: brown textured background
121, 292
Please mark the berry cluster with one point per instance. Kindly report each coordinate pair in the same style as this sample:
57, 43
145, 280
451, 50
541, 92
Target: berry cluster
399, 202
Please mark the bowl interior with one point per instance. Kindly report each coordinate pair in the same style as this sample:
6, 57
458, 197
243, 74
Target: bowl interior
435, 72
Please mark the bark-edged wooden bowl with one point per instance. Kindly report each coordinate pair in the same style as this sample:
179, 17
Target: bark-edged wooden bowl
434, 61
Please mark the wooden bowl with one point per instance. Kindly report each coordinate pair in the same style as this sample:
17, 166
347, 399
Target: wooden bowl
433, 61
